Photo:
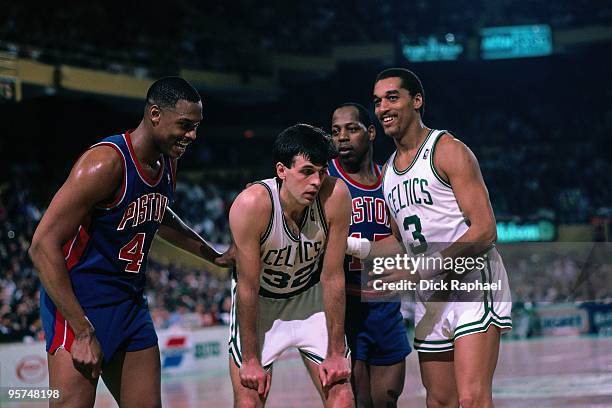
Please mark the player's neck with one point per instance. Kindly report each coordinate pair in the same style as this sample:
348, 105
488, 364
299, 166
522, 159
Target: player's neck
413, 137
145, 149
362, 170
291, 208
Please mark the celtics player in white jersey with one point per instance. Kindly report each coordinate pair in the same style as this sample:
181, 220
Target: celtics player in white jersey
290, 237
441, 209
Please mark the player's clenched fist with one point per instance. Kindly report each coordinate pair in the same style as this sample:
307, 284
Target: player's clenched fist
253, 376
334, 369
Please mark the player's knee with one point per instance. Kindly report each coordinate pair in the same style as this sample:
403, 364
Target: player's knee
247, 401
475, 396
386, 398
341, 397
440, 400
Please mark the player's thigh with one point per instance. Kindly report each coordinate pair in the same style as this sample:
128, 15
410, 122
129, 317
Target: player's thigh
134, 377
76, 390
475, 361
244, 397
387, 383
438, 376
360, 380
338, 395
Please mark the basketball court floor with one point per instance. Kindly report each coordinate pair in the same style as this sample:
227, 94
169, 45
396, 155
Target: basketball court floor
547, 372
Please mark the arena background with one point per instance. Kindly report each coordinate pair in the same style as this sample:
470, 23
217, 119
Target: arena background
524, 83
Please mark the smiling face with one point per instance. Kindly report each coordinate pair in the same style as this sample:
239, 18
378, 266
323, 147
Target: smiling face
302, 181
394, 107
350, 135
175, 128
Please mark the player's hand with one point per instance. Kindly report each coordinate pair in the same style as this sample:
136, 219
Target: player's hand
253, 376
334, 369
228, 258
87, 354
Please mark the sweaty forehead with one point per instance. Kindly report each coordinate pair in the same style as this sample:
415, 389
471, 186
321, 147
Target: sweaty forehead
189, 110
344, 115
387, 85
300, 162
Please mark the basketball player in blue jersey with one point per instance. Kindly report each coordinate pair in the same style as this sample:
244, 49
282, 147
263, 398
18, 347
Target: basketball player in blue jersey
290, 236
91, 248
440, 210
375, 329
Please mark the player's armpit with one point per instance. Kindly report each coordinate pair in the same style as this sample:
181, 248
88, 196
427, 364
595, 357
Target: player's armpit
456, 163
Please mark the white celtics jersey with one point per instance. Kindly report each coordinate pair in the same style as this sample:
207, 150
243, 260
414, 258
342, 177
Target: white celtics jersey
291, 264
422, 203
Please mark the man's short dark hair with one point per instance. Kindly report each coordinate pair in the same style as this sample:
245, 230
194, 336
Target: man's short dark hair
167, 91
410, 82
363, 114
306, 140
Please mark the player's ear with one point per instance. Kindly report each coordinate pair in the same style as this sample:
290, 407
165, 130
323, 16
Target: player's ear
154, 114
417, 101
371, 133
281, 170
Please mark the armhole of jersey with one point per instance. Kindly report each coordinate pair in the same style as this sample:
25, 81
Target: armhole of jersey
172, 172
431, 160
119, 198
322, 215
266, 234
384, 169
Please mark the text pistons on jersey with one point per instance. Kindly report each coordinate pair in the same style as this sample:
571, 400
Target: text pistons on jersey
412, 191
368, 209
148, 207
292, 254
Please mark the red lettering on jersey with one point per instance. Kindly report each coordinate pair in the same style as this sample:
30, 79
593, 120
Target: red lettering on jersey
164, 204
381, 212
127, 215
142, 210
368, 207
358, 215
151, 197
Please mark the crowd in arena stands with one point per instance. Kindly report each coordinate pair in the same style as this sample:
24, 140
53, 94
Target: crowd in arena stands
86, 33
177, 296
192, 298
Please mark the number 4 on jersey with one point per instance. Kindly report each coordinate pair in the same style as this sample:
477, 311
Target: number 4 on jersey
133, 253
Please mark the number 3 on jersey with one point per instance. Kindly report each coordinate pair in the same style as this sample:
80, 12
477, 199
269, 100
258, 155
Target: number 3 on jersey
415, 221
132, 253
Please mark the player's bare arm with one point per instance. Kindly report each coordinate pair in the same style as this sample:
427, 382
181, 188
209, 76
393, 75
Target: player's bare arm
456, 163
336, 201
249, 217
95, 178
174, 230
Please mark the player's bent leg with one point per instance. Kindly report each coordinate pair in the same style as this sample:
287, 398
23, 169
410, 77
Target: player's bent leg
338, 395
387, 383
475, 361
134, 377
438, 376
360, 380
244, 397
76, 390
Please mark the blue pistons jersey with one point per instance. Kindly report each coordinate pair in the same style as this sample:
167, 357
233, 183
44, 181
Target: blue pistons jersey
107, 258
369, 218
375, 331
